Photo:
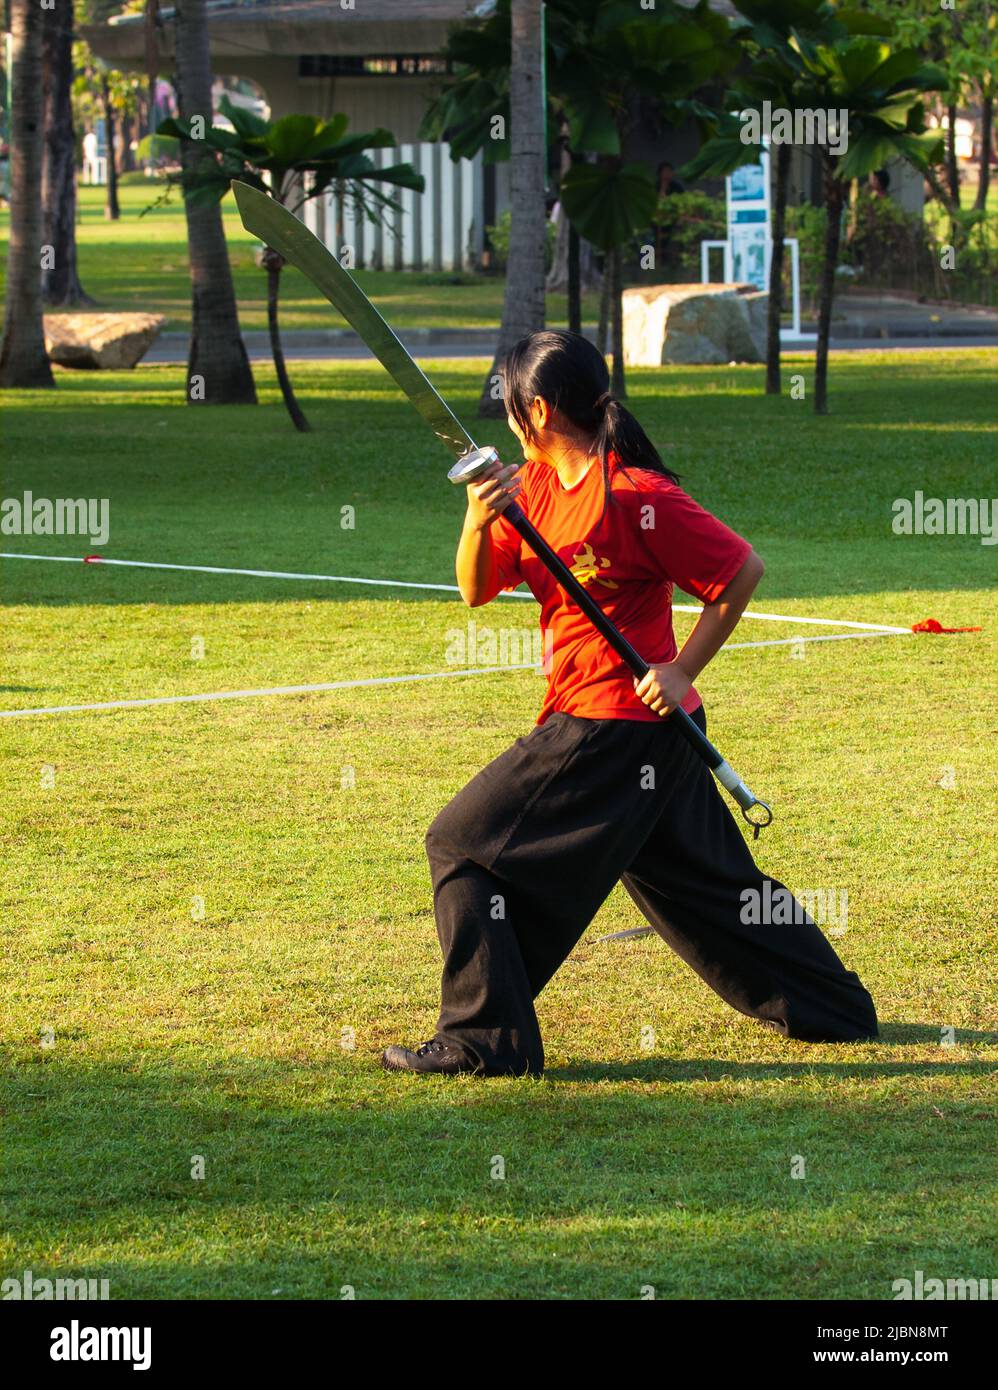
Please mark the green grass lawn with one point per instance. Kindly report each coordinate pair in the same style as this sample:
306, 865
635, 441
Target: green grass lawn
140, 263
248, 1032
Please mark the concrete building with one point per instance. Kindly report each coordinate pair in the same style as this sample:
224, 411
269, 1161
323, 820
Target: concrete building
377, 62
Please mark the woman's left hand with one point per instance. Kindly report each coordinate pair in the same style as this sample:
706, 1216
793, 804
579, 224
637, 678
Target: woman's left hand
663, 687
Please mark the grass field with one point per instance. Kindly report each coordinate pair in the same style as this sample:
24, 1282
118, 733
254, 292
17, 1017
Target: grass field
216, 915
140, 263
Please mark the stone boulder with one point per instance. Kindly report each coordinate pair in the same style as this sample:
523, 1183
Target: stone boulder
109, 342
694, 324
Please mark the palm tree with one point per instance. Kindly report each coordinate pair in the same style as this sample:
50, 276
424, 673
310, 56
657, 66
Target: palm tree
60, 282
603, 60
293, 159
217, 354
23, 359
523, 296
613, 66
881, 91
609, 202
772, 32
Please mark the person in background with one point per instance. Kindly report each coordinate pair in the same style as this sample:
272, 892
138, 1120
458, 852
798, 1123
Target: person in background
667, 181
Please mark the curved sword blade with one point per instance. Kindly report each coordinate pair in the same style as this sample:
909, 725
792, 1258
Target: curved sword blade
280, 229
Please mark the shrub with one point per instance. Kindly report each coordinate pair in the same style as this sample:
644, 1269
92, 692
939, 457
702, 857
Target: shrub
498, 236
681, 222
807, 224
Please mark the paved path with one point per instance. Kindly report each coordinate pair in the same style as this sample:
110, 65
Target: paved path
862, 321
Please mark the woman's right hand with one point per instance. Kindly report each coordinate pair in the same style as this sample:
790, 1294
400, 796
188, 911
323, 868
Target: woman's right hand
491, 494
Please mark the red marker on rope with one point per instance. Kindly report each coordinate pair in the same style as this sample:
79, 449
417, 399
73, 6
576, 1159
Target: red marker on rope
933, 625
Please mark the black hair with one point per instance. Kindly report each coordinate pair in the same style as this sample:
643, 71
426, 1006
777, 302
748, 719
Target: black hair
570, 373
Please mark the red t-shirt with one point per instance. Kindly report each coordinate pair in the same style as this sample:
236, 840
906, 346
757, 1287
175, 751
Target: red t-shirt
652, 537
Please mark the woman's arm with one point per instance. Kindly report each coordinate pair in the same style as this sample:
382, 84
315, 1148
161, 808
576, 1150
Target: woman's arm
488, 497
666, 686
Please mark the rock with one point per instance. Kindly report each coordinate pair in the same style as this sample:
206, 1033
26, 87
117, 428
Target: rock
691, 324
110, 342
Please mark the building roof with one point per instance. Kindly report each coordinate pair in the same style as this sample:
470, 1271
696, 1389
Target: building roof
270, 27
263, 28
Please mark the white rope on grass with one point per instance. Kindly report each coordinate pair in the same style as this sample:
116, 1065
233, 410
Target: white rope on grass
829, 637
379, 680
222, 569
266, 690
410, 584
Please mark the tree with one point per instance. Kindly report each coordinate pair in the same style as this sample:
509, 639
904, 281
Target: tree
523, 295
102, 93
607, 62
293, 159
60, 280
217, 357
962, 40
112, 211
574, 265
151, 28
771, 31
23, 359
609, 202
880, 91
611, 68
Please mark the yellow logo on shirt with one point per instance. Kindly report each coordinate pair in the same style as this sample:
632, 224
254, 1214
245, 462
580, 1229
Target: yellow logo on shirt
587, 566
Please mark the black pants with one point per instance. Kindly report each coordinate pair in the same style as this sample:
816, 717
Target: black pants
523, 857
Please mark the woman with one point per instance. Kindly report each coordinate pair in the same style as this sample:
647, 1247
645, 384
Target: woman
605, 788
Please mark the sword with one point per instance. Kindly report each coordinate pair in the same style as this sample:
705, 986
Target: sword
284, 232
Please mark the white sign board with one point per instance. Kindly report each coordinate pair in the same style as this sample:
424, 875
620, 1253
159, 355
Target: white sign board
748, 249
748, 221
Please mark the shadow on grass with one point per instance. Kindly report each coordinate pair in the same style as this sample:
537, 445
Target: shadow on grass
922, 1035
324, 1174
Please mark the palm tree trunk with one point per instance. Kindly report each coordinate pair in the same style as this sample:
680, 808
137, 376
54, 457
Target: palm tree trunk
618, 382
574, 283
603, 327
23, 359
775, 306
523, 298
273, 263
151, 36
217, 353
111, 209
834, 197
987, 125
60, 284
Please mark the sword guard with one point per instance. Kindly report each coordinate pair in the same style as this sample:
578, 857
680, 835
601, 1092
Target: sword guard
471, 466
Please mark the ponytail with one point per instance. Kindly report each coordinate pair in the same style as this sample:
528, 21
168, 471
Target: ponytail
620, 433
